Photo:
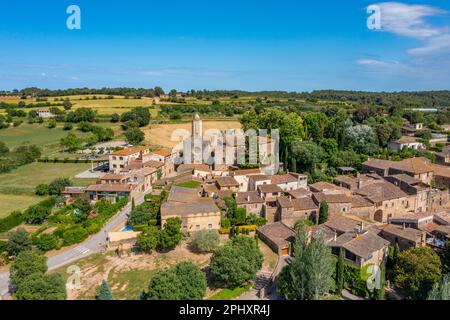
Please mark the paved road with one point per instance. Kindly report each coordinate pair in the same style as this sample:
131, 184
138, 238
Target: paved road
94, 244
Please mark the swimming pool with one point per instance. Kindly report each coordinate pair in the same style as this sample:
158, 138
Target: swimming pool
127, 228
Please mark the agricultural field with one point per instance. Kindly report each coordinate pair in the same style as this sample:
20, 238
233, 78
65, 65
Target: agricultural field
24, 179
160, 134
11, 202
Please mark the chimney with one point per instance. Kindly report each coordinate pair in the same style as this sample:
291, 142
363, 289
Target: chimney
335, 236
248, 198
404, 226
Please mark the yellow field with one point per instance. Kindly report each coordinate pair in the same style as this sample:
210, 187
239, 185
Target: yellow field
160, 134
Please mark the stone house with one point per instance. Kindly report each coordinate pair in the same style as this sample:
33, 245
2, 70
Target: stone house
292, 210
405, 237
227, 183
278, 237
119, 160
405, 142
251, 201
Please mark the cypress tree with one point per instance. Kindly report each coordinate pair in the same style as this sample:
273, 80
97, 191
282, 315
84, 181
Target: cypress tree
340, 272
105, 292
133, 205
323, 212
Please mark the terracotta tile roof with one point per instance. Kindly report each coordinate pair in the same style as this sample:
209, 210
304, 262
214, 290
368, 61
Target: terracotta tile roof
129, 151
325, 186
331, 197
72, 190
281, 179
163, 152
299, 193
379, 163
405, 233
259, 177
227, 182
366, 244
244, 172
200, 206
379, 192
405, 140
414, 165
185, 195
284, 202
113, 176
342, 224
441, 171
153, 164
110, 187
304, 204
193, 166
358, 201
278, 233
269, 188
248, 197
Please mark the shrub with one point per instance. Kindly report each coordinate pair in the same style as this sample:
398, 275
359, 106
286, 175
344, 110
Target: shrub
41, 189
57, 185
18, 241
205, 241
25, 264
74, 235
11, 221
46, 242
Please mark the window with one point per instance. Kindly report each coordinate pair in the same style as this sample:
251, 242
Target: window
197, 227
114, 158
121, 158
114, 165
209, 226
350, 256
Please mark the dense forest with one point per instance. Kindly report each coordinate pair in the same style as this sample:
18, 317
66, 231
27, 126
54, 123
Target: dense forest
420, 99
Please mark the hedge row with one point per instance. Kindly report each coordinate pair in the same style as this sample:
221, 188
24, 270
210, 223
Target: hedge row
56, 160
11, 221
250, 228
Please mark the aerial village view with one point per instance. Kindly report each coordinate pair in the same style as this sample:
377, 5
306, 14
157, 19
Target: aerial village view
134, 166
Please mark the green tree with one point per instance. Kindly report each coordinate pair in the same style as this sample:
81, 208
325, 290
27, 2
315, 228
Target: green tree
37, 214
205, 241
83, 204
25, 264
171, 235
323, 212
185, 281
237, 261
18, 241
67, 104
58, 185
340, 272
310, 274
71, 142
39, 286
440, 290
307, 155
148, 240
240, 216
134, 136
416, 271
104, 292
445, 257
41, 189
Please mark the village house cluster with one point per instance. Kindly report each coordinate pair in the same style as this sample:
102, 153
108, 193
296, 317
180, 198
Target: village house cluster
389, 202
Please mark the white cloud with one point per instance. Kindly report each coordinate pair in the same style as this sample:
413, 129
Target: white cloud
409, 20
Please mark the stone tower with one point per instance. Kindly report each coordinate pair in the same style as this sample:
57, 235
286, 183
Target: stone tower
197, 139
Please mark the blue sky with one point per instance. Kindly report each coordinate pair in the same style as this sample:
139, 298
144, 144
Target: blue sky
234, 44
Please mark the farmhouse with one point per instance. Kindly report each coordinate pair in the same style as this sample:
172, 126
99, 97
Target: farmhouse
405, 142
